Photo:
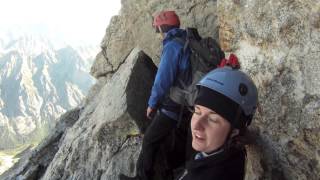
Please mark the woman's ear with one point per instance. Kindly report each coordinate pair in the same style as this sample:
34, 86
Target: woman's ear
234, 133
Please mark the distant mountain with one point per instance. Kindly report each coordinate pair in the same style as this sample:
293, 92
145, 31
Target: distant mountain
37, 84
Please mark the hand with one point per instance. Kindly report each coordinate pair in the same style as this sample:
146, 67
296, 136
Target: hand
150, 112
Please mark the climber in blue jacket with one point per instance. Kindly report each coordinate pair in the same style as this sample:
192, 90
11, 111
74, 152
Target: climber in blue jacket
172, 62
162, 110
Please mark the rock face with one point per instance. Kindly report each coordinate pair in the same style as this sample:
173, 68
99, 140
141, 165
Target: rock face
133, 28
103, 141
103, 145
277, 43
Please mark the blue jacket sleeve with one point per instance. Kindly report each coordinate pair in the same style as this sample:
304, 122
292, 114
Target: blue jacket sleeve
167, 71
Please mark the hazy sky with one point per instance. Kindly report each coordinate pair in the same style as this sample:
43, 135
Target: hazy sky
75, 20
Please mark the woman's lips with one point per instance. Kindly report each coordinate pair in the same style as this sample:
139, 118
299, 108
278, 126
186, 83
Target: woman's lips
199, 137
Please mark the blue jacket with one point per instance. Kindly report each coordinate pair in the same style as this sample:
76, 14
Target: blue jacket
173, 62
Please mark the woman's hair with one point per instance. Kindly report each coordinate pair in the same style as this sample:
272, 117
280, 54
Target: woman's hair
245, 137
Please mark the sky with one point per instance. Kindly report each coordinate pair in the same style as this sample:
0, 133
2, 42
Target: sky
77, 21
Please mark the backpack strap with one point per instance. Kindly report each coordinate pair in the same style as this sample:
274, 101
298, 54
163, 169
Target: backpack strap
183, 42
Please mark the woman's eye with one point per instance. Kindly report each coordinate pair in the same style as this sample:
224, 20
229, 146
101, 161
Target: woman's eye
214, 120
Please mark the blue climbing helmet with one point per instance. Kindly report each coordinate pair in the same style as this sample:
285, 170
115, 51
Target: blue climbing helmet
234, 95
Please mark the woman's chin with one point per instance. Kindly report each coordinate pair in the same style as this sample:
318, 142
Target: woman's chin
197, 146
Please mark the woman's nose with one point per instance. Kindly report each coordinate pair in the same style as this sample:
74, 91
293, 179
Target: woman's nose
198, 123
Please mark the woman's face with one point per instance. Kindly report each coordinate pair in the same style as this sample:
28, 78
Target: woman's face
209, 129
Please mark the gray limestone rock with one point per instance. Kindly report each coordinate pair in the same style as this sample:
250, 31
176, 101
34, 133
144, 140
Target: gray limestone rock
277, 43
101, 139
105, 140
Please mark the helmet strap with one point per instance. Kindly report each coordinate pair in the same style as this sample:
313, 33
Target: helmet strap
161, 31
237, 119
230, 138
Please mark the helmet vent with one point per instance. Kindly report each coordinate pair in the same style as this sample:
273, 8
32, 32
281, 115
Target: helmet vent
216, 81
243, 89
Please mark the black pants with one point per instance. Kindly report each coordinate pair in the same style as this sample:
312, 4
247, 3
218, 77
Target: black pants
165, 138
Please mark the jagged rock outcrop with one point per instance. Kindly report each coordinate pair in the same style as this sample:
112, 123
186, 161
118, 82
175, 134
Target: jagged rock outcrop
105, 139
102, 142
277, 43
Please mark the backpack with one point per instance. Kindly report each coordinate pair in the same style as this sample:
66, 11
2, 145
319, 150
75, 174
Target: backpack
205, 56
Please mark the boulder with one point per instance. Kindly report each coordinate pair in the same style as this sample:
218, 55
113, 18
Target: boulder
105, 140
102, 138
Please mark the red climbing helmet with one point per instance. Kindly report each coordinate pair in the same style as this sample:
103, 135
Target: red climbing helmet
169, 18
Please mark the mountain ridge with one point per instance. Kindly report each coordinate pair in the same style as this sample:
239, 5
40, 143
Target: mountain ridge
38, 84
